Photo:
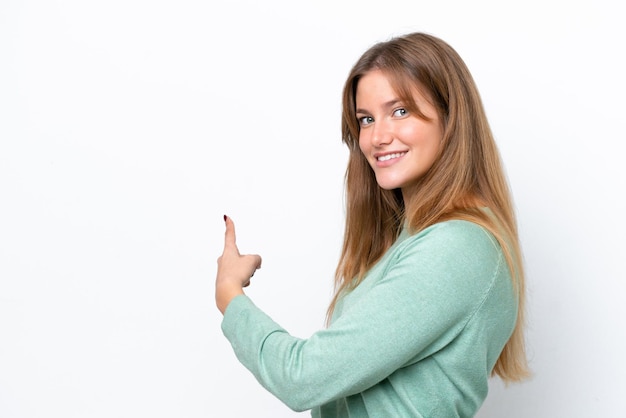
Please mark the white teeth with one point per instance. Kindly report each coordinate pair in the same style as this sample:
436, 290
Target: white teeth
390, 156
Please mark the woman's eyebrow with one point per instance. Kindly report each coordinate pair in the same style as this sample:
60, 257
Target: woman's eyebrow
386, 105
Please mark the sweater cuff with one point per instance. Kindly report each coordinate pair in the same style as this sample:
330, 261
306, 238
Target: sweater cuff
246, 326
237, 306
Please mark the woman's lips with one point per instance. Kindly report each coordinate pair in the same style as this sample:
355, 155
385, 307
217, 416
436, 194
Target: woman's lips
385, 160
391, 156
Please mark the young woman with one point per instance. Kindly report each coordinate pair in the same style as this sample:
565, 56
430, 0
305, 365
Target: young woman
429, 295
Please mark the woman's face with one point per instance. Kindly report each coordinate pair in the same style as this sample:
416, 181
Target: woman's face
400, 147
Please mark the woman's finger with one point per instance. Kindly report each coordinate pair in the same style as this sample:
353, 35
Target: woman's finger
257, 260
230, 241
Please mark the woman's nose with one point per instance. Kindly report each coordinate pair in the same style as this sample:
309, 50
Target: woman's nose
381, 134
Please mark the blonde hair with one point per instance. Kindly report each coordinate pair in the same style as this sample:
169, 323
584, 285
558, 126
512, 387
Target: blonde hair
466, 175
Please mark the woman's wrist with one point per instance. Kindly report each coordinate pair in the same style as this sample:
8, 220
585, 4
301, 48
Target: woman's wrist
224, 294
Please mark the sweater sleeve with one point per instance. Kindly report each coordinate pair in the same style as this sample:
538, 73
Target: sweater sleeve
428, 290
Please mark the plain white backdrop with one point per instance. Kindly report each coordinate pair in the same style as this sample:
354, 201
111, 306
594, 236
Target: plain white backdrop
128, 128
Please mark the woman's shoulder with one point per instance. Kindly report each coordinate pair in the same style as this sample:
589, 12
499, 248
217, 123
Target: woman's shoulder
452, 246
453, 235
454, 259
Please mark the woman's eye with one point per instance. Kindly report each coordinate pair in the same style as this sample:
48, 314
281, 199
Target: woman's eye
365, 120
400, 112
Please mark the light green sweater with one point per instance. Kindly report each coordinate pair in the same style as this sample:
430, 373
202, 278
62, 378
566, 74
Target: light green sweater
417, 338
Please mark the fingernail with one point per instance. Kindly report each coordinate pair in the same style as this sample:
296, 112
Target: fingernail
225, 217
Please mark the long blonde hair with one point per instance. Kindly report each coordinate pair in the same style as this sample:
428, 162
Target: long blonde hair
467, 173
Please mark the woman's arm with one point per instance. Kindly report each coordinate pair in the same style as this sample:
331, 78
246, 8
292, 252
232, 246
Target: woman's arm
422, 301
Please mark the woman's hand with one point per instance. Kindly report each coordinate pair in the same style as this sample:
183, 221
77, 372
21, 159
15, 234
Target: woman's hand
233, 269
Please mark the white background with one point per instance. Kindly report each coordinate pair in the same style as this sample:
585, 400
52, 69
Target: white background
128, 128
